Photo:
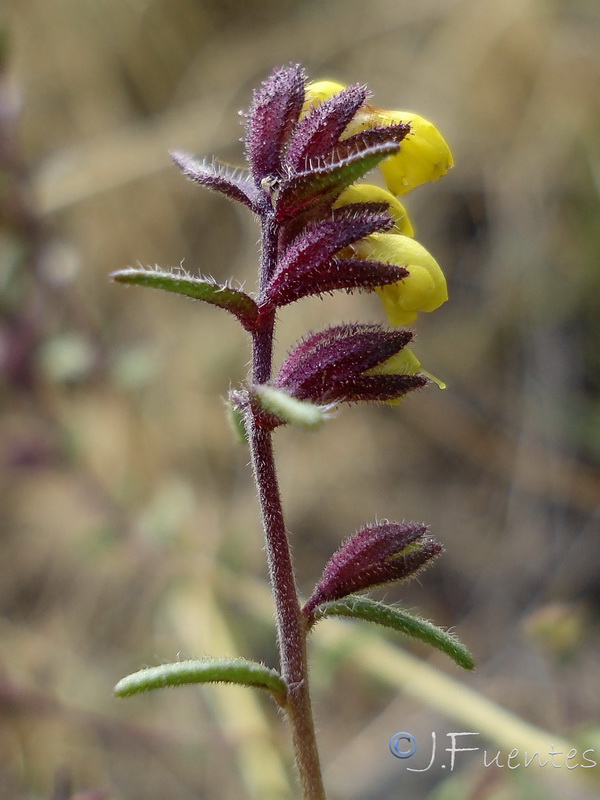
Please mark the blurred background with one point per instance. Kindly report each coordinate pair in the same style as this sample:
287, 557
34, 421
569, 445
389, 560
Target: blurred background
129, 528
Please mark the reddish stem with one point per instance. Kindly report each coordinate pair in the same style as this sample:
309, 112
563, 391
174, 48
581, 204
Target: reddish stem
291, 624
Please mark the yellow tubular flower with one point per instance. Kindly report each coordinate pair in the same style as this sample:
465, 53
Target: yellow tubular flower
368, 193
424, 154
425, 287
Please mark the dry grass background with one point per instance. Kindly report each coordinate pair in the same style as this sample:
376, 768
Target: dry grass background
129, 528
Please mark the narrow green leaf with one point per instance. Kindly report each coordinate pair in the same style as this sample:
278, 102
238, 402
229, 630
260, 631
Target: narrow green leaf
235, 301
205, 670
399, 620
288, 409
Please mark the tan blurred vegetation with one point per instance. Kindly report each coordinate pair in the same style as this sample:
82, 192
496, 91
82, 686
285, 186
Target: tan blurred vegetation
129, 528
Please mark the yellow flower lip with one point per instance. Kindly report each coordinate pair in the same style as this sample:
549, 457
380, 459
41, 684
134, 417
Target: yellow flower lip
425, 287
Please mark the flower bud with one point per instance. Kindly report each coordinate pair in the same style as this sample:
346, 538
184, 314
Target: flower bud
373, 556
339, 365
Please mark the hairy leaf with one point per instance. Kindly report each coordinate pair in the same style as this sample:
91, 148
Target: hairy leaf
399, 620
309, 265
206, 670
337, 274
319, 132
373, 556
275, 109
235, 301
217, 177
329, 366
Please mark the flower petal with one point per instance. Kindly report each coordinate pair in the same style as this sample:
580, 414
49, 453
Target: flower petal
404, 362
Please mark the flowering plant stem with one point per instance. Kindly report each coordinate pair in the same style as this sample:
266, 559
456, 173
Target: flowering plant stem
291, 624
306, 146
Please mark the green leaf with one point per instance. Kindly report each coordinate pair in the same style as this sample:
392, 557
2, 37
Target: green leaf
235, 301
205, 670
399, 620
288, 409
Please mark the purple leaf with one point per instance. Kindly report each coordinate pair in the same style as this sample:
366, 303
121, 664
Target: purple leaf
336, 274
339, 344
299, 358
316, 135
375, 555
329, 366
218, 178
308, 258
378, 388
373, 136
275, 109
320, 240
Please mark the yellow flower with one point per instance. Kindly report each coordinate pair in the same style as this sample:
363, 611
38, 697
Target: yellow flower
368, 193
425, 287
423, 156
